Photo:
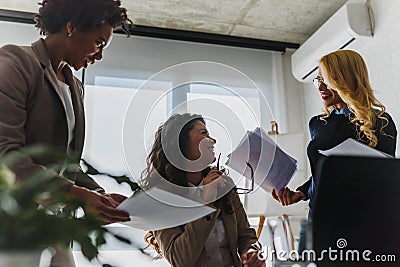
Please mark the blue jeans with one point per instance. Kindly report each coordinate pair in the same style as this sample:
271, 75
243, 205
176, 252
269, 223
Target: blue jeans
303, 233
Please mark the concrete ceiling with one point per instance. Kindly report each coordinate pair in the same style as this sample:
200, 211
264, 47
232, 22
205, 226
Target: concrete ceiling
277, 20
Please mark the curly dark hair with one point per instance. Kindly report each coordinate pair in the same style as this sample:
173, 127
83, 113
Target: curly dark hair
175, 130
84, 15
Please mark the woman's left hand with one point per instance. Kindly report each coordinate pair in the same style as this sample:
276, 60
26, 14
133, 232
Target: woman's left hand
115, 198
251, 259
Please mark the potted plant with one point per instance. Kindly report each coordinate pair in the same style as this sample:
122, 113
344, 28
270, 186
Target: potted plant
26, 229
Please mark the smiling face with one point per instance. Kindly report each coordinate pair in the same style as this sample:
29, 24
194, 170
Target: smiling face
200, 144
330, 97
87, 47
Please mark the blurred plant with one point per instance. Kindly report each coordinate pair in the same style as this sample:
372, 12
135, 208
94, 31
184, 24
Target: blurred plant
90, 170
25, 225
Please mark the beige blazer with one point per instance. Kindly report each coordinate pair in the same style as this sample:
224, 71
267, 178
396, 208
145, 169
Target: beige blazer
184, 246
32, 109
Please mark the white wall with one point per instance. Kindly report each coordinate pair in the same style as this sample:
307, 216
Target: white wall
382, 55
17, 33
294, 95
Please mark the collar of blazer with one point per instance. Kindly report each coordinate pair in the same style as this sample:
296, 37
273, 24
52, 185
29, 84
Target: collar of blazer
39, 48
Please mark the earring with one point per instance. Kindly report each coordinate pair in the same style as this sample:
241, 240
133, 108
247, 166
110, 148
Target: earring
70, 34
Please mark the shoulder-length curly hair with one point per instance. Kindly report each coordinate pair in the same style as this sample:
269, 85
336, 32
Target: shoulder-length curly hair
174, 132
346, 72
84, 15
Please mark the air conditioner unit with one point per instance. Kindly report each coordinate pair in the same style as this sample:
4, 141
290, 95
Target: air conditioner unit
349, 28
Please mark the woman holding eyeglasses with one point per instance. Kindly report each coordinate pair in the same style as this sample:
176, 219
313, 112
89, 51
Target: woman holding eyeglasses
350, 111
179, 161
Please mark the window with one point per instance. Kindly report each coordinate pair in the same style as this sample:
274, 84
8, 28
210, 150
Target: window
106, 104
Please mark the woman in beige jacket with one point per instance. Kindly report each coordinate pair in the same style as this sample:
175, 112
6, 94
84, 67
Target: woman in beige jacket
179, 160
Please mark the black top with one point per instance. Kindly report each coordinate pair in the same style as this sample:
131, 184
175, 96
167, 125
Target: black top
328, 133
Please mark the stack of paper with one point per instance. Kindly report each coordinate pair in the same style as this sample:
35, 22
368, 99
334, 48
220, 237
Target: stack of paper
273, 168
354, 148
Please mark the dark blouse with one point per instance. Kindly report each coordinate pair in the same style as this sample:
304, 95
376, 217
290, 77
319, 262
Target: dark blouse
333, 131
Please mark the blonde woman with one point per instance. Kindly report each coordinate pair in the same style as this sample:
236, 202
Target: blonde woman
351, 111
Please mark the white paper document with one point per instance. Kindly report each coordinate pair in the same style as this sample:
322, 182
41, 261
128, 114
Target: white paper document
354, 148
147, 212
272, 167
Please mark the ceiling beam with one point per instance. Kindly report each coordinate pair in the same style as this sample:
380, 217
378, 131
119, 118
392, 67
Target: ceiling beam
173, 34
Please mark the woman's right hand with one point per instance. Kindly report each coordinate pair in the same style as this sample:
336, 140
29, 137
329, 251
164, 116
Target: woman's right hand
103, 205
211, 182
288, 197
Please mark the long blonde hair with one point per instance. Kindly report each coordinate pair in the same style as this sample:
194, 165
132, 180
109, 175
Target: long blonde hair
346, 72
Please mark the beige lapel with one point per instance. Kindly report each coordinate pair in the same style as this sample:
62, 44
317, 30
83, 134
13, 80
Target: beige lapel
39, 48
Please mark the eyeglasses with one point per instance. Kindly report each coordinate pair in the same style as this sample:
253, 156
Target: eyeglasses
238, 189
247, 190
317, 82
222, 169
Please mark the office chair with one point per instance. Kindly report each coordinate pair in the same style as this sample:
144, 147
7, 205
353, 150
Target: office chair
357, 207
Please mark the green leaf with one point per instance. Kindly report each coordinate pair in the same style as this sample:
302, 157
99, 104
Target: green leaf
119, 179
25, 227
88, 249
100, 240
122, 239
